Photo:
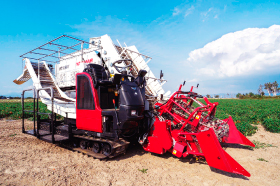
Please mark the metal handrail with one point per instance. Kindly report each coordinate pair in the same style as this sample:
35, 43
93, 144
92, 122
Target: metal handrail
52, 124
22, 102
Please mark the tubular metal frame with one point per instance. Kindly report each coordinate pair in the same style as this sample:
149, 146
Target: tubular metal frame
58, 49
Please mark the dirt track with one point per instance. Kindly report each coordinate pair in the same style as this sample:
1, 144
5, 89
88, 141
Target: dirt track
25, 160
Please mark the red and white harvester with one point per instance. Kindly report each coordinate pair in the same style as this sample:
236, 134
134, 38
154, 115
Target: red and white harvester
109, 97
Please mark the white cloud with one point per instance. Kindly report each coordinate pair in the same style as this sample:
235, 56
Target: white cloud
189, 11
176, 11
183, 9
207, 12
251, 51
225, 8
192, 80
205, 15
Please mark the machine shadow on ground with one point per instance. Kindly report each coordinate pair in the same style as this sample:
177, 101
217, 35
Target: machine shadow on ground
236, 146
229, 174
132, 150
137, 150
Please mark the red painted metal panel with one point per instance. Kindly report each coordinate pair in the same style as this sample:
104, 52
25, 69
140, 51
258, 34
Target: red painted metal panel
215, 156
178, 149
153, 145
90, 120
235, 136
159, 138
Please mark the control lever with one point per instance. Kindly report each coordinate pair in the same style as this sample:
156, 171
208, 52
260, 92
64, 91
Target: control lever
116, 112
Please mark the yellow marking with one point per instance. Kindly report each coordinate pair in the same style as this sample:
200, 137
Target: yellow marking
174, 152
197, 117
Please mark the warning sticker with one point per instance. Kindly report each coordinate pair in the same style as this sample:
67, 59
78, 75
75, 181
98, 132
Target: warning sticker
197, 117
174, 152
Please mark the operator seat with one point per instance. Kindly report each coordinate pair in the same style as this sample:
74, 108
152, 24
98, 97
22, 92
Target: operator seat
99, 75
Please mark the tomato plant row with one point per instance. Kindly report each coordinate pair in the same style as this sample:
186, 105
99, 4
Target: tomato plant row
13, 110
249, 112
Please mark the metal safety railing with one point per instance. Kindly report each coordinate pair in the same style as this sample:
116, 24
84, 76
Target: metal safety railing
36, 113
52, 127
32, 111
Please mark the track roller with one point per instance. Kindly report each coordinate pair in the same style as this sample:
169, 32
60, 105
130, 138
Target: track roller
96, 147
106, 149
83, 144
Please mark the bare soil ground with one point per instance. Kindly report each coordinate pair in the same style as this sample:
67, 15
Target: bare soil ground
25, 160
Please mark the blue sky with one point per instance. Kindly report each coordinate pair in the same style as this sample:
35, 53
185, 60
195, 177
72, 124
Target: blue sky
225, 46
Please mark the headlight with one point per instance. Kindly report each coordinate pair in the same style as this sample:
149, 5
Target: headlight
133, 113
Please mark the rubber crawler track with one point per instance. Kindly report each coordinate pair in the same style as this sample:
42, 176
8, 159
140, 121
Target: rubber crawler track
117, 147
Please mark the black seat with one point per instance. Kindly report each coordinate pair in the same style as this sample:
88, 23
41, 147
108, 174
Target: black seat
99, 75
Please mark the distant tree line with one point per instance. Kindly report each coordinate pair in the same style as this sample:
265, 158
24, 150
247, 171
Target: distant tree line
248, 95
271, 88
10, 97
215, 96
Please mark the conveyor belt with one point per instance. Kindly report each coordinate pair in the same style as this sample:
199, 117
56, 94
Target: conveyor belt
43, 78
46, 81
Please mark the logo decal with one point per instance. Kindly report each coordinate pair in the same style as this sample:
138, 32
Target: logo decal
85, 61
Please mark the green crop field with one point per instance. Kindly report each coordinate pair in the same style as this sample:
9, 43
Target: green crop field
247, 113
11, 109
